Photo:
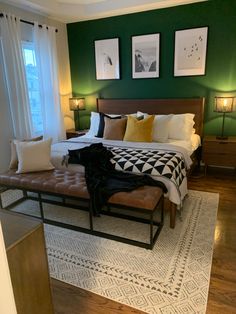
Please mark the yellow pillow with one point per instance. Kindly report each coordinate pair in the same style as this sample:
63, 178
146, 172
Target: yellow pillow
139, 130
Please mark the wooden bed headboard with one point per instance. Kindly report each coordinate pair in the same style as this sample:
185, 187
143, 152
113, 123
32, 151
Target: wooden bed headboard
156, 106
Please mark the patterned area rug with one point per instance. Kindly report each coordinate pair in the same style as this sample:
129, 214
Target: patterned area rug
172, 278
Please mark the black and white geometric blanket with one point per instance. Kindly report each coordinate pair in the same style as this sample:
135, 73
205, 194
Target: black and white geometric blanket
153, 162
140, 158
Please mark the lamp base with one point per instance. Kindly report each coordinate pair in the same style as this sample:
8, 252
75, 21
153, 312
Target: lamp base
76, 119
222, 137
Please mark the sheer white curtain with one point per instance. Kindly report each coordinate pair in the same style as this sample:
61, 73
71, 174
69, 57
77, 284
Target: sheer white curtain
15, 76
46, 57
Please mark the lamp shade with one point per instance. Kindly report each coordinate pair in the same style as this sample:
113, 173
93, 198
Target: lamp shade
76, 103
224, 104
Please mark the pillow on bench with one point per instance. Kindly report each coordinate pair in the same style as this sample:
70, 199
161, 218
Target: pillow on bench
14, 159
34, 156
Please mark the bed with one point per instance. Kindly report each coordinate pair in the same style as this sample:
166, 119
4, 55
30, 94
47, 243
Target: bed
185, 153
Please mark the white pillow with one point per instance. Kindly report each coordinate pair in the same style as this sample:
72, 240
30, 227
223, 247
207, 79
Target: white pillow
94, 124
140, 114
34, 156
181, 126
160, 130
14, 159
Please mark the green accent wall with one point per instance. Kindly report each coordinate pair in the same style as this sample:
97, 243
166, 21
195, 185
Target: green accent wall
220, 78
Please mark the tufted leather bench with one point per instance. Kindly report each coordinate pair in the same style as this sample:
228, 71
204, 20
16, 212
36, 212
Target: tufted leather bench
56, 181
68, 184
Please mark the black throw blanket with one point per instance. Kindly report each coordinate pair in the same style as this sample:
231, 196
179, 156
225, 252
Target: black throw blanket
101, 177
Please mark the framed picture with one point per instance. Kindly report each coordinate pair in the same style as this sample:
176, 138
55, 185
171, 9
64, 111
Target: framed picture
145, 56
107, 59
190, 51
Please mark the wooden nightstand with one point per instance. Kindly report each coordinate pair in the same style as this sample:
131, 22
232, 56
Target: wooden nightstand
73, 133
218, 152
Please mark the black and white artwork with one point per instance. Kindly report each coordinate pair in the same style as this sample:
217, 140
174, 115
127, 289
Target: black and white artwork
145, 56
190, 51
107, 59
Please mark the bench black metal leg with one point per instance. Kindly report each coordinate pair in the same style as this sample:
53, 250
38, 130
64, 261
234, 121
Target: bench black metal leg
41, 205
160, 223
91, 216
1, 202
151, 230
162, 210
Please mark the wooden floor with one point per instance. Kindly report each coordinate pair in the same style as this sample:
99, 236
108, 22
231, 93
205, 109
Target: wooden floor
222, 294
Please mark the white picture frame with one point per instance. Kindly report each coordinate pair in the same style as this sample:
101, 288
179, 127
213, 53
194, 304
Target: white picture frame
107, 59
190, 51
145, 56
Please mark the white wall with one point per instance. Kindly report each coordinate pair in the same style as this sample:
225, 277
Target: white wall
64, 80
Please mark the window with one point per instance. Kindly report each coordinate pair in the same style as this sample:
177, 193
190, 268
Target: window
33, 86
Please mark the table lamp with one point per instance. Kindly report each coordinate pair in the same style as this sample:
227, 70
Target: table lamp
76, 104
224, 105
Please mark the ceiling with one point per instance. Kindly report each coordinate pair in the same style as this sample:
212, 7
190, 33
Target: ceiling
68, 11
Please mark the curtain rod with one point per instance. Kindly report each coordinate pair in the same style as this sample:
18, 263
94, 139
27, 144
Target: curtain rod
27, 22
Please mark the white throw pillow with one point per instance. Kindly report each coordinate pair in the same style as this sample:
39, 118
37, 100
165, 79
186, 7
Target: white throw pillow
161, 128
142, 114
14, 159
181, 126
34, 156
94, 124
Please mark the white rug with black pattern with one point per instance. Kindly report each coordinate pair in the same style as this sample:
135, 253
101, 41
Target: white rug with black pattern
172, 278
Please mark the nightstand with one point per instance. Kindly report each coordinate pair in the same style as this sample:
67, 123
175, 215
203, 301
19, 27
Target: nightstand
73, 133
218, 152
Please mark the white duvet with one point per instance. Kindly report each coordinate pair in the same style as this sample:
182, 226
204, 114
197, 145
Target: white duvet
175, 194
